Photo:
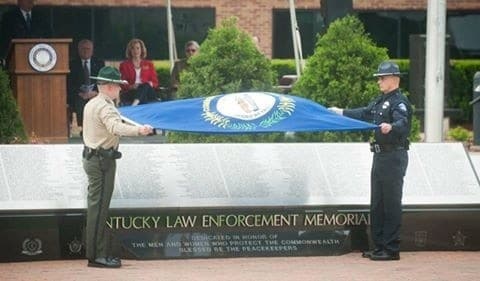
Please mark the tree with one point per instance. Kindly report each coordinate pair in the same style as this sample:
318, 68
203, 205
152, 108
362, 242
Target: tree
11, 126
340, 73
228, 62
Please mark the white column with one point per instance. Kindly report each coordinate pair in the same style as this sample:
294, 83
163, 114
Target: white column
293, 23
435, 70
172, 48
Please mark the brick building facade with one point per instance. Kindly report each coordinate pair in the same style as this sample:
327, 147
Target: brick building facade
256, 16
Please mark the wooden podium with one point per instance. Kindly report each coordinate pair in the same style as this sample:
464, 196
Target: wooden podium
38, 70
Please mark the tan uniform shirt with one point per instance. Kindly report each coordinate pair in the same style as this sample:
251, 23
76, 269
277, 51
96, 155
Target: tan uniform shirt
102, 125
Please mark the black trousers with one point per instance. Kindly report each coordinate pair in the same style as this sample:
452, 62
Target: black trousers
144, 93
388, 171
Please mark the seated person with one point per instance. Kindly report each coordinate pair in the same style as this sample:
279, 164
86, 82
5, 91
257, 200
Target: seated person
80, 88
140, 74
191, 48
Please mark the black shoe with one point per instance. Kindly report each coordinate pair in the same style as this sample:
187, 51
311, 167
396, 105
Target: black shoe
368, 254
107, 262
385, 256
115, 259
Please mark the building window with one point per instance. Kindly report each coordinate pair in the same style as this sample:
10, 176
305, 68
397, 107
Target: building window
464, 39
112, 27
393, 29
310, 23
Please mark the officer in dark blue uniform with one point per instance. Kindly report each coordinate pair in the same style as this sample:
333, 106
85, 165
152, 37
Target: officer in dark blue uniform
392, 112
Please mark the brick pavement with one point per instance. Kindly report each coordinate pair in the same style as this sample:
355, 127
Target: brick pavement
416, 266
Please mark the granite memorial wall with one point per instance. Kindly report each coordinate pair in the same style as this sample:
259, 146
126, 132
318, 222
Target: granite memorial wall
219, 200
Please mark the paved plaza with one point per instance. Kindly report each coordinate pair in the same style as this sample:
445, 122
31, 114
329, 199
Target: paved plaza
417, 266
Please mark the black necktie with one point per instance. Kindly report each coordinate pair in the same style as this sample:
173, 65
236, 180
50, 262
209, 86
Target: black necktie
86, 73
29, 21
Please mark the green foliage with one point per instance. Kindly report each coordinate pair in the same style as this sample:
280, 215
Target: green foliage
11, 127
283, 67
461, 78
404, 66
280, 67
460, 134
415, 130
228, 62
175, 137
339, 73
163, 72
461, 86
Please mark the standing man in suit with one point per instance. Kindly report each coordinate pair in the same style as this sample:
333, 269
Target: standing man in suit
21, 21
80, 87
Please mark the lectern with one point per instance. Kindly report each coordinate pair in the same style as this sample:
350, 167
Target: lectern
38, 69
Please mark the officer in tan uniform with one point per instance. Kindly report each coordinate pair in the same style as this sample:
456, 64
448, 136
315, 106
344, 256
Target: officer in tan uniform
102, 128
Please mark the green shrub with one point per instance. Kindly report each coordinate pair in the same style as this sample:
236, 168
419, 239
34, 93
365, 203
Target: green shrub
339, 73
460, 134
461, 78
280, 67
461, 84
228, 62
283, 67
163, 72
404, 66
11, 126
415, 130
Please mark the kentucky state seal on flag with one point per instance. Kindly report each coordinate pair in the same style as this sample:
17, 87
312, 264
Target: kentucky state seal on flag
245, 112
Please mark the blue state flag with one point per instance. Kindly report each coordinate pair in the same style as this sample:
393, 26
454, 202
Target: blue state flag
245, 112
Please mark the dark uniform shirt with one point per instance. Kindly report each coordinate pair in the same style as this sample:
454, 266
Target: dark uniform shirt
393, 108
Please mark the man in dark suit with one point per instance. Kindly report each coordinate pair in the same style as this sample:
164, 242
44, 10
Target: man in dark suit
80, 88
21, 21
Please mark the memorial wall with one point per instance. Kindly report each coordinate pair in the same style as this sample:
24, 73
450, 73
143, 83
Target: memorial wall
40, 177
228, 200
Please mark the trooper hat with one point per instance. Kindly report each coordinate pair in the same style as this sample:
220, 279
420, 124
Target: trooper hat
387, 68
108, 74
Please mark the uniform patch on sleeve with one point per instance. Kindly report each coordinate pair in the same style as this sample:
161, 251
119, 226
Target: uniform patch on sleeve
402, 107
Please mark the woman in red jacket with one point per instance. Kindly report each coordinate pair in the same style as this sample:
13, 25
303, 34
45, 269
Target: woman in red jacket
140, 74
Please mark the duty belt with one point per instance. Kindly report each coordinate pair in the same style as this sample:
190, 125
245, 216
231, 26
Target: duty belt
90, 150
379, 148
111, 153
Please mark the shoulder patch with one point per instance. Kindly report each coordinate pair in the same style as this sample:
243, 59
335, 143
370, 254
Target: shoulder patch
402, 106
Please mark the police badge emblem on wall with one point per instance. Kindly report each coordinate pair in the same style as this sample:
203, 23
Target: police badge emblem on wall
42, 57
32, 247
75, 246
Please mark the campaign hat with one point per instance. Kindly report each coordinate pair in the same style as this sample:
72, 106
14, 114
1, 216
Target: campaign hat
387, 68
109, 74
